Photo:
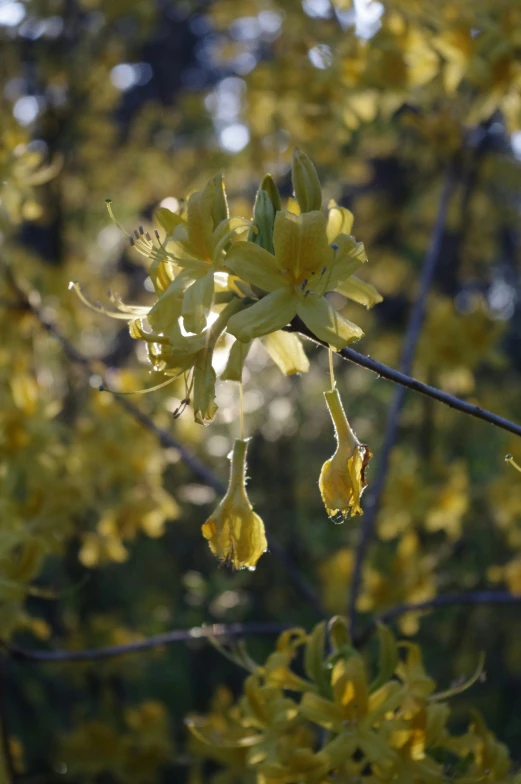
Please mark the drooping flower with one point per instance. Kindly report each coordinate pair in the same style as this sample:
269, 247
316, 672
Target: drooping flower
235, 533
342, 479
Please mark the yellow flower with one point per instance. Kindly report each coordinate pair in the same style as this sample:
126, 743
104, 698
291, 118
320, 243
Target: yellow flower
197, 246
342, 479
302, 269
234, 532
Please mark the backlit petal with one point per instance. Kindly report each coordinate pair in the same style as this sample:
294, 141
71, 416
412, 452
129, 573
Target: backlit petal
285, 349
200, 221
339, 221
300, 243
326, 323
268, 315
359, 291
197, 303
349, 257
255, 266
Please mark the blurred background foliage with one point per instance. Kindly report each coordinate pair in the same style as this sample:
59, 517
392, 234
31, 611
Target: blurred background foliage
141, 102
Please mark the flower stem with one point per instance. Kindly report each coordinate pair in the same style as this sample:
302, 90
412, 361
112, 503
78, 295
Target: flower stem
344, 434
241, 411
238, 463
331, 369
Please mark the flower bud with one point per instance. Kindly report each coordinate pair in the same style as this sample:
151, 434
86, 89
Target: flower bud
306, 184
235, 533
342, 479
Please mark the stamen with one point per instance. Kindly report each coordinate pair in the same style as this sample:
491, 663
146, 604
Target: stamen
141, 230
108, 202
304, 284
136, 234
96, 307
510, 459
170, 380
132, 242
149, 238
181, 407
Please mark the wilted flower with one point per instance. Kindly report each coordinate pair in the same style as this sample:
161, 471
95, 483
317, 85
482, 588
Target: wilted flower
234, 532
342, 479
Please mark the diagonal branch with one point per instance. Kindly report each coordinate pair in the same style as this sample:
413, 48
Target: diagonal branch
472, 598
198, 468
397, 377
169, 638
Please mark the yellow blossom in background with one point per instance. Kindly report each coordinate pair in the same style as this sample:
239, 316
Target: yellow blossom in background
337, 722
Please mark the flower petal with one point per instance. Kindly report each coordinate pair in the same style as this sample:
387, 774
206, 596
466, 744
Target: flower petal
300, 243
235, 363
349, 256
254, 265
339, 221
197, 303
269, 314
359, 291
326, 323
200, 221
285, 349
166, 312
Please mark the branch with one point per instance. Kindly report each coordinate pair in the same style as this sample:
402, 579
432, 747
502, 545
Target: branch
397, 377
450, 600
425, 389
198, 468
169, 638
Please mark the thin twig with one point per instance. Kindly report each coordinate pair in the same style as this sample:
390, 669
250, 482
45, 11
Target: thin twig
169, 638
449, 600
198, 468
402, 379
425, 389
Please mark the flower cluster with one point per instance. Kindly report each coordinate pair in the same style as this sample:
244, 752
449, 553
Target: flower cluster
334, 723
252, 278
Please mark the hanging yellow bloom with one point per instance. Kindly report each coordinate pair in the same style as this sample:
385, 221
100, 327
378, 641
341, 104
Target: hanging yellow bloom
235, 533
342, 479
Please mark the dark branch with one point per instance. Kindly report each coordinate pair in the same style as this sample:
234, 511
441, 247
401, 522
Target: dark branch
221, 631
397, 377
475, 598
425, 389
